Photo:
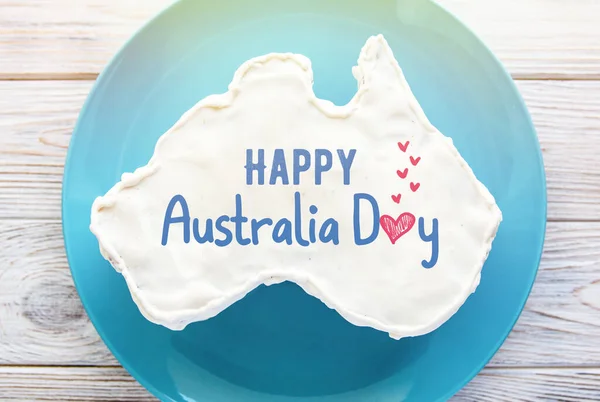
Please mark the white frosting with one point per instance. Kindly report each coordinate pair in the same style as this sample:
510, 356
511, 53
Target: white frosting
270, 105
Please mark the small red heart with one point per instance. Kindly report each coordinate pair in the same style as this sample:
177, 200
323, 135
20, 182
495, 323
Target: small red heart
414, 161
402, 174
396, 198
403, 146
414, 186
396, 228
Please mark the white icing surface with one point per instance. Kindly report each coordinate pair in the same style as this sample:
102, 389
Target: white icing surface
270, 104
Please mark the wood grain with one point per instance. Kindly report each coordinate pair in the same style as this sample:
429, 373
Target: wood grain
36, 120
42, 321
565, 115
559, 326
108, 384
41, 317
537, 38
67, 38
533, 384
74, 39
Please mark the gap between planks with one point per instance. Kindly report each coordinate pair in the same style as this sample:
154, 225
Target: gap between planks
115, 384
533, 38
93, 76
487, 368
48, 76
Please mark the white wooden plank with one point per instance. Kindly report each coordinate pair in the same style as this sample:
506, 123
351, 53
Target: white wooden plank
36, 119
565, 114
105, 384
76, 38
537, 38
67, 38
115, 384
559, 326
42, 321
533, 384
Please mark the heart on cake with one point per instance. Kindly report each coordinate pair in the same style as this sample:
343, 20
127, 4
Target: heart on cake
396, 228
267, 183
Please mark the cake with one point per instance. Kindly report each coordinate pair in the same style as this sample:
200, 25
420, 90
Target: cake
366, 206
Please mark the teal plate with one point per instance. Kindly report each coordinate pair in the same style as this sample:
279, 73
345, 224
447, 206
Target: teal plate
278, 343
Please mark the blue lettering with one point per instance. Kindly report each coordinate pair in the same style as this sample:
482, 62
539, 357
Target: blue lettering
169, 219
346, 162
298, 221
279, 168
375, 231
238, 219
208, 233
332, 235
312, 236
321, 166
257, 225
279, 235
433, 238
298, 168
219, 226
258, 166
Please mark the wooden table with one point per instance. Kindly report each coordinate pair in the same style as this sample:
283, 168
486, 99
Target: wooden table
52, 50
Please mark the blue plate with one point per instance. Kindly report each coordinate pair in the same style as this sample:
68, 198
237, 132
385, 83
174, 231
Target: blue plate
279, 344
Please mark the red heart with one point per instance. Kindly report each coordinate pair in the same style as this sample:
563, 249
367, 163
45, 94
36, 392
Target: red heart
396, 198
414, 186
396, 228
403, 146
402, 174
414, 161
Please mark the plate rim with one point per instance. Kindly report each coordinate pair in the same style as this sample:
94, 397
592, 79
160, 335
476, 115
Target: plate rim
112, 62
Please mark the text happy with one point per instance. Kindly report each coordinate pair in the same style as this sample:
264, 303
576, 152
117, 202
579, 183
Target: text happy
304, 228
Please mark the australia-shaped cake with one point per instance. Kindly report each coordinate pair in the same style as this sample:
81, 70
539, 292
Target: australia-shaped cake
366, 206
